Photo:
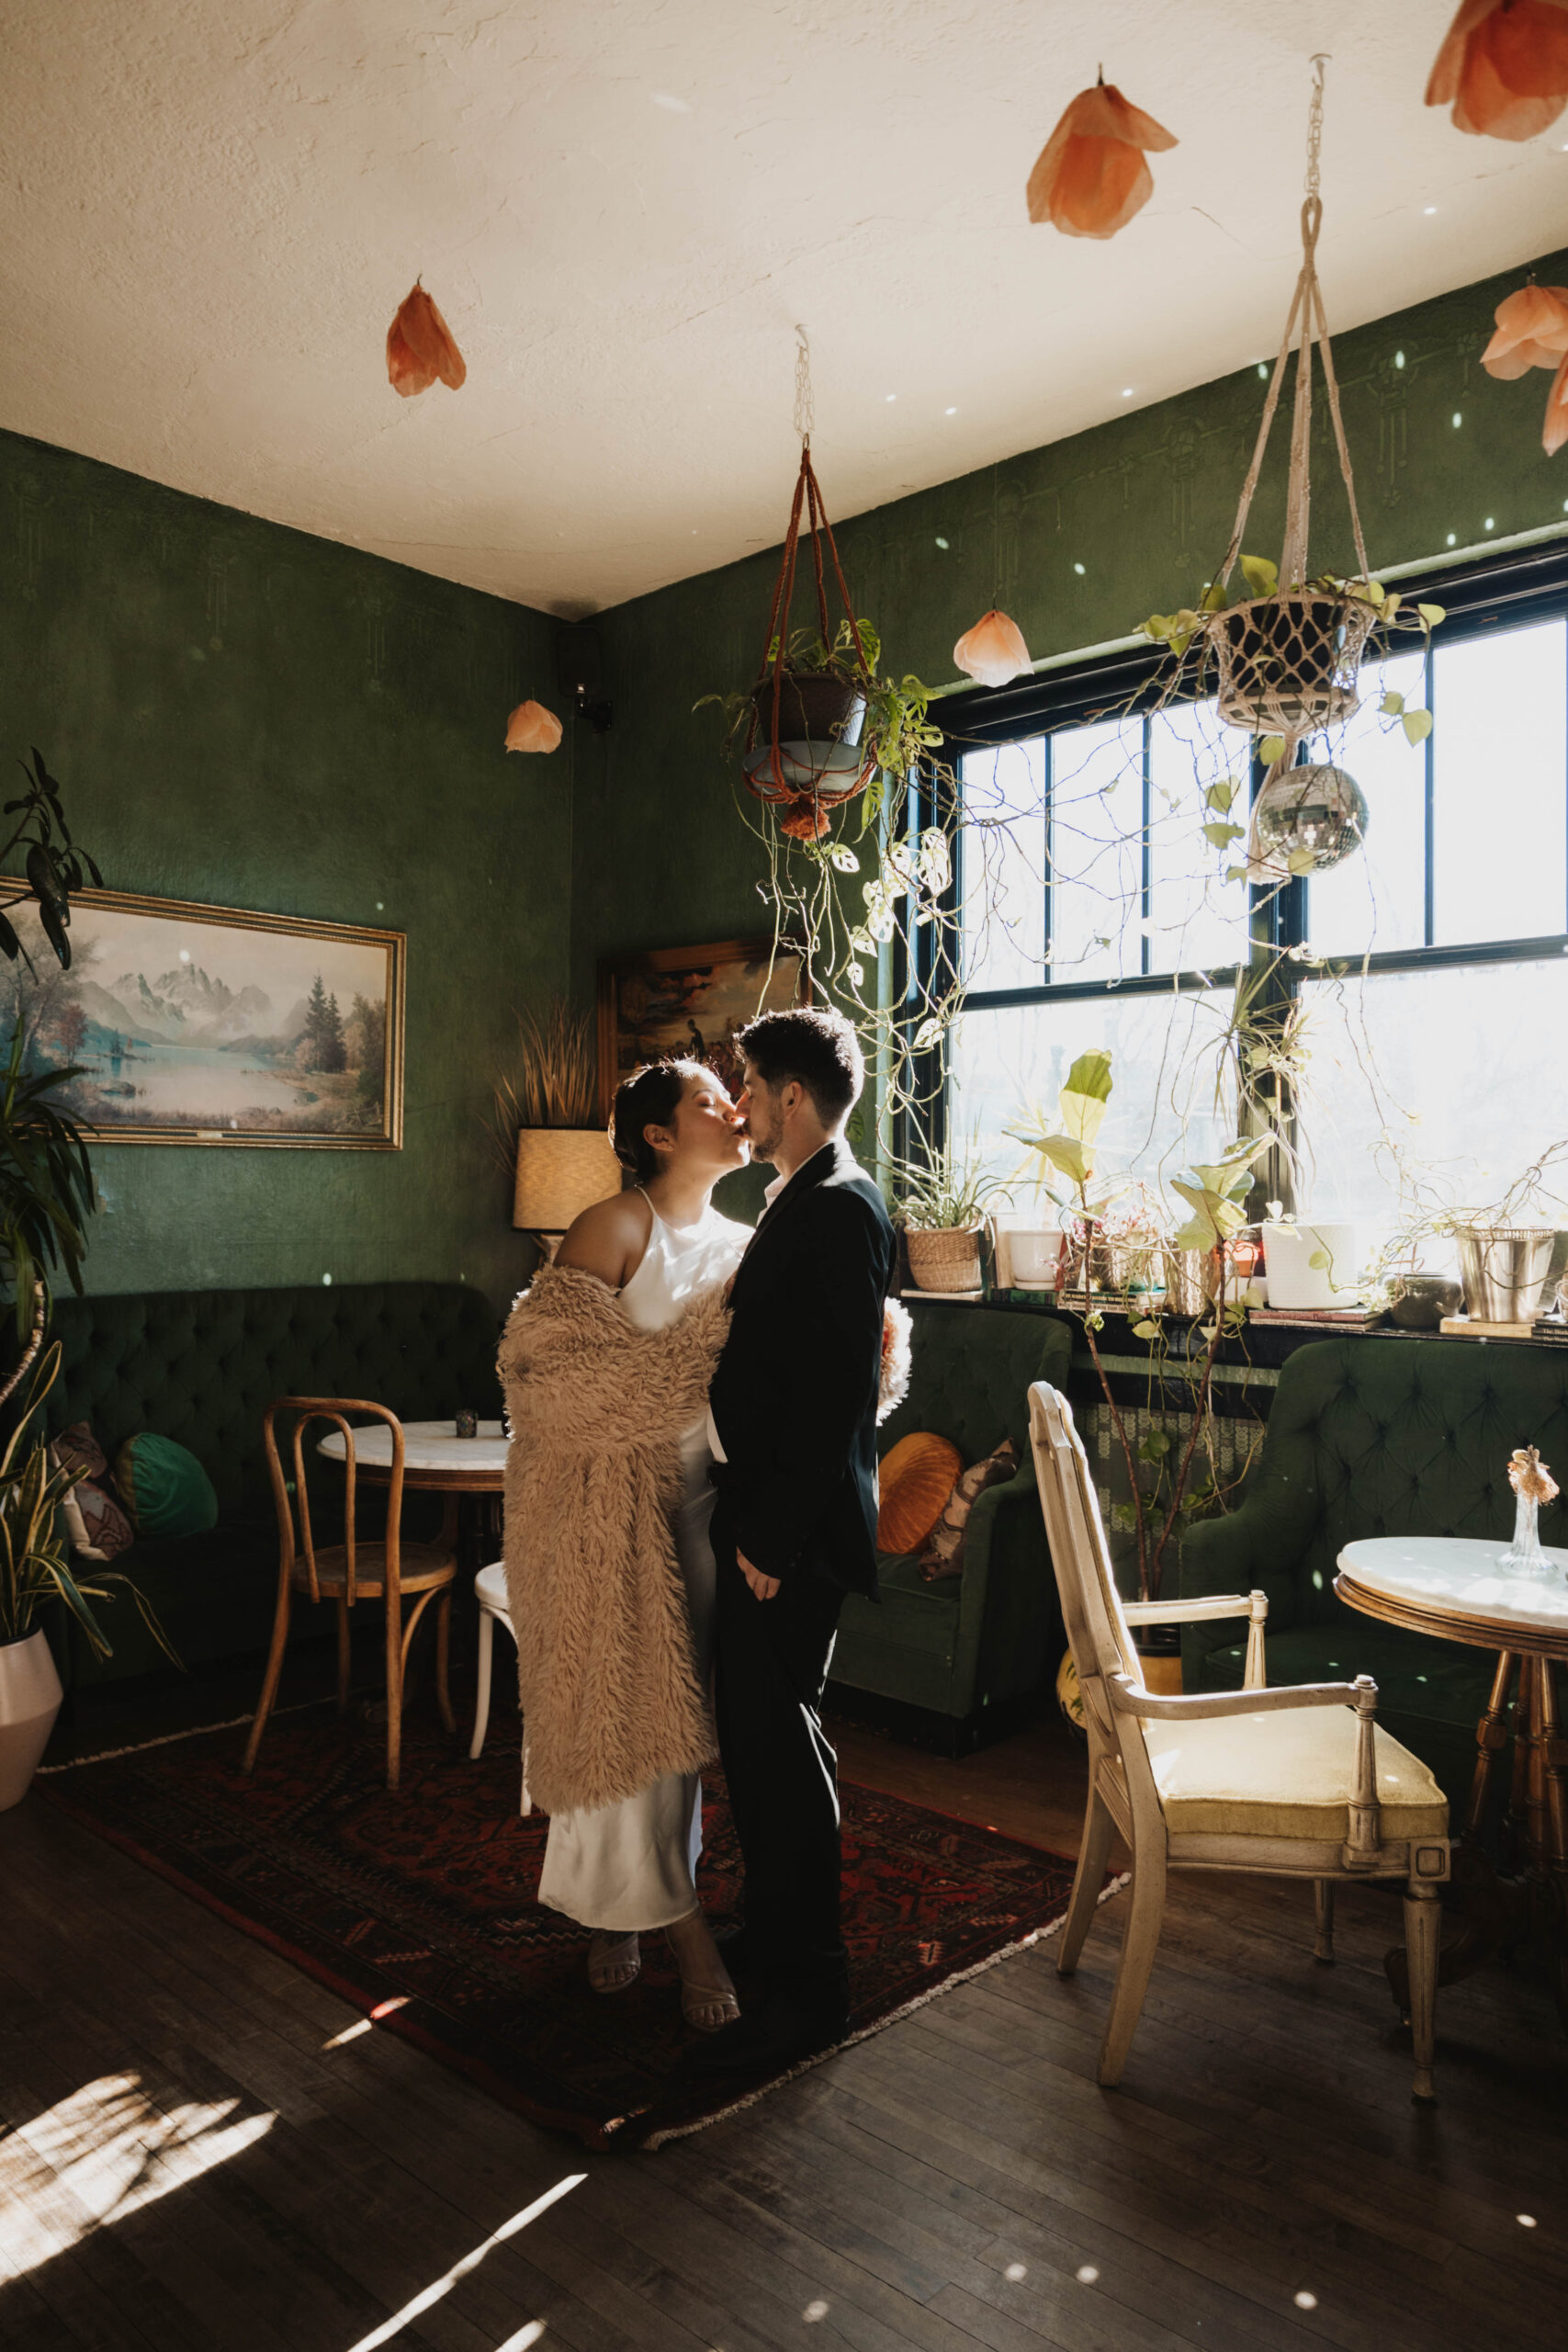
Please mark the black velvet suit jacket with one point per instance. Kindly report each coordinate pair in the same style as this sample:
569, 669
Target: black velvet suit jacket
795, 1392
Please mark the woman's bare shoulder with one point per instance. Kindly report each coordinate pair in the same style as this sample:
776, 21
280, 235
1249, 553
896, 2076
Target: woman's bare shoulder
609, 1239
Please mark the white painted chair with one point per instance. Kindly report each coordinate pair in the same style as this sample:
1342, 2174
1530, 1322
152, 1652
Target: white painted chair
1298, 1782
490, 1591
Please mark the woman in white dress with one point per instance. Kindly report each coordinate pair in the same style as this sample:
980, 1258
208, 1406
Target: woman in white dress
627, 1867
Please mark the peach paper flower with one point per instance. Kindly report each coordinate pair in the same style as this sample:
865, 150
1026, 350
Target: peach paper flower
993, 650
1504, 67
1092, 176
1532, 331
532, 728
419, 347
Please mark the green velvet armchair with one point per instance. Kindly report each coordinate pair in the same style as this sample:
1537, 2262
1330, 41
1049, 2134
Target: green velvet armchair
1377, 1436
966, 1648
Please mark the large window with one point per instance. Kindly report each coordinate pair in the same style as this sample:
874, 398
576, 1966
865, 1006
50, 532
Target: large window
1429, 970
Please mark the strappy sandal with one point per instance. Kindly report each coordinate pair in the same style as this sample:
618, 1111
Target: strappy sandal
707, 2009
614, 1962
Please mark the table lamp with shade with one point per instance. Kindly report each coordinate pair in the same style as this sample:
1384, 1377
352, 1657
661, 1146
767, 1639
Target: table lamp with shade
560, 1172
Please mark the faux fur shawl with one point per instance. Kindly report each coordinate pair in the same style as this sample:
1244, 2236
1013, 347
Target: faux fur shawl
605, 1669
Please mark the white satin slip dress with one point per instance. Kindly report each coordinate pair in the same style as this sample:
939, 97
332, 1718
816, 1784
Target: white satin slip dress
633, 1865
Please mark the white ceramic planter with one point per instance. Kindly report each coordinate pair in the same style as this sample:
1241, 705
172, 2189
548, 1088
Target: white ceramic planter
29, 1701
1295, 1281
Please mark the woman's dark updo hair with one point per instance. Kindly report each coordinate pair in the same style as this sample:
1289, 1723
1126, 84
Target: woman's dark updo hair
650, 1098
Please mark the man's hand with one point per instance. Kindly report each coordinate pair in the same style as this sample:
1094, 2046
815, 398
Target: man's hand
763, 1587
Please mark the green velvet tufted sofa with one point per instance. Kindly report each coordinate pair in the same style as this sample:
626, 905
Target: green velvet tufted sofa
965, 1648
1377, 1436
201, 1367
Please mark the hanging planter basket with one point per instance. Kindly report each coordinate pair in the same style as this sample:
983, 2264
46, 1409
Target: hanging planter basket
1290, 664
818, 737
803, 746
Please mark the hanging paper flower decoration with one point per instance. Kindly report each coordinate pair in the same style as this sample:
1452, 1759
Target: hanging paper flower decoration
993, 650
532, 728
1091, 176
1532, 331
419, 347
1504, 67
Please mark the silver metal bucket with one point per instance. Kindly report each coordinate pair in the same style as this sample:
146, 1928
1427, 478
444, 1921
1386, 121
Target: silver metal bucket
1504, 1269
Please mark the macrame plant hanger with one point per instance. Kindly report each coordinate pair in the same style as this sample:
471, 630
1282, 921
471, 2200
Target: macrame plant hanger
801, 794
1289, 661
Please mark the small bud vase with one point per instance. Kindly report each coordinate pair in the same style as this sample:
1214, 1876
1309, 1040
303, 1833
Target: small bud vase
1524, 1557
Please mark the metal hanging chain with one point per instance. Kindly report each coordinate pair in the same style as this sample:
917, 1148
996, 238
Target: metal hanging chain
805, 408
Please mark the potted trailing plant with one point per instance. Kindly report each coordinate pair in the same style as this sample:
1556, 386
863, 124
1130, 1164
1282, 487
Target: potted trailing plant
939, 1202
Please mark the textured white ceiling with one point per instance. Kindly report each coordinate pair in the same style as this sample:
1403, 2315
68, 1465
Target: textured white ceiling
209, 210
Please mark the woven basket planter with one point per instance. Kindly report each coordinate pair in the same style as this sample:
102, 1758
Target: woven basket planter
947, 1259
1289, 662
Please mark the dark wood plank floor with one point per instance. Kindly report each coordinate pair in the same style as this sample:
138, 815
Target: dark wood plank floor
191, 2156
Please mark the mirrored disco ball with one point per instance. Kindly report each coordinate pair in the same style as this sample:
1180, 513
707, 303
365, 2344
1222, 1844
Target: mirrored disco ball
1320, 810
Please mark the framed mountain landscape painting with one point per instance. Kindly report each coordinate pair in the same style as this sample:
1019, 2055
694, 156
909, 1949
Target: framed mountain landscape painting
208, 1025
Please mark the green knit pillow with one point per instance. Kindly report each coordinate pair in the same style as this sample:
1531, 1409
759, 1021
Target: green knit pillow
164, 1487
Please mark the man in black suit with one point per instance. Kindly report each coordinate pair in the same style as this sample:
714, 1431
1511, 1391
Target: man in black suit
794, 1434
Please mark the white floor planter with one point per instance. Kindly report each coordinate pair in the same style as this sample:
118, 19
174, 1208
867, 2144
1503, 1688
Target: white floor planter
29, 1701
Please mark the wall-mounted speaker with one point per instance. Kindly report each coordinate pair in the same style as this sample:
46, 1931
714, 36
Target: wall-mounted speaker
579, 673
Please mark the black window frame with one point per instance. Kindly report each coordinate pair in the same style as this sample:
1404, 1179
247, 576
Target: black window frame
1511, 588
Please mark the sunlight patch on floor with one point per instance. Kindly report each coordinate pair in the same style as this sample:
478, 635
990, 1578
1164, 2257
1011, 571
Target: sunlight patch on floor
113, 2151
460, 2270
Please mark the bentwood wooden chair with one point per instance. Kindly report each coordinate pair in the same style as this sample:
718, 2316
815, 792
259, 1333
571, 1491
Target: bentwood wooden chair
1298, 1782
347, 1573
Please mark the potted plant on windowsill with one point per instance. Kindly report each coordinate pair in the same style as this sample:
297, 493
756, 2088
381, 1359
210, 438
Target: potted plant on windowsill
940, 1203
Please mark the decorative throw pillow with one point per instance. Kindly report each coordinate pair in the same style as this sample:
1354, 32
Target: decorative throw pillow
944, 1556
914, 1481
94, 1522
164, 1487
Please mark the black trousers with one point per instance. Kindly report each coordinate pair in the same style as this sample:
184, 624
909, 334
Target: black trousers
771, 1663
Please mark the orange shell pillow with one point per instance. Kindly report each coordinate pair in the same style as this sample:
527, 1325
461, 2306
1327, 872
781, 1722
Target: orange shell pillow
914, 1480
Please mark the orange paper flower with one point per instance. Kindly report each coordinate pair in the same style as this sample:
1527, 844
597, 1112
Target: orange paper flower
419, 347
1555, 432
1504, 67
993, 650
1532, 331
1091, 176
532, 728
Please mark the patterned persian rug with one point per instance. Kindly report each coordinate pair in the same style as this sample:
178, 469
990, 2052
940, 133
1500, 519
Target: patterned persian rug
418, 1907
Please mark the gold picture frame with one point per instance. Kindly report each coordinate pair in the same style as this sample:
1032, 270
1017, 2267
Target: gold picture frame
661, 1000
185, 1037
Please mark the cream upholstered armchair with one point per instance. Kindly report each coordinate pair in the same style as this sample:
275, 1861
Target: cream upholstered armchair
1298, 1782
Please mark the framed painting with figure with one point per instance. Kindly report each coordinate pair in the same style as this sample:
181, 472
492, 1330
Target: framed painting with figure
211, 1025
692, 1000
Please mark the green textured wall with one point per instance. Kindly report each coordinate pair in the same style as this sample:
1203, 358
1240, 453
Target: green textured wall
1144, 504
249, 717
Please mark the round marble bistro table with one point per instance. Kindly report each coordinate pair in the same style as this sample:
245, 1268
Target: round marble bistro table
435, 1457
1455, 1587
